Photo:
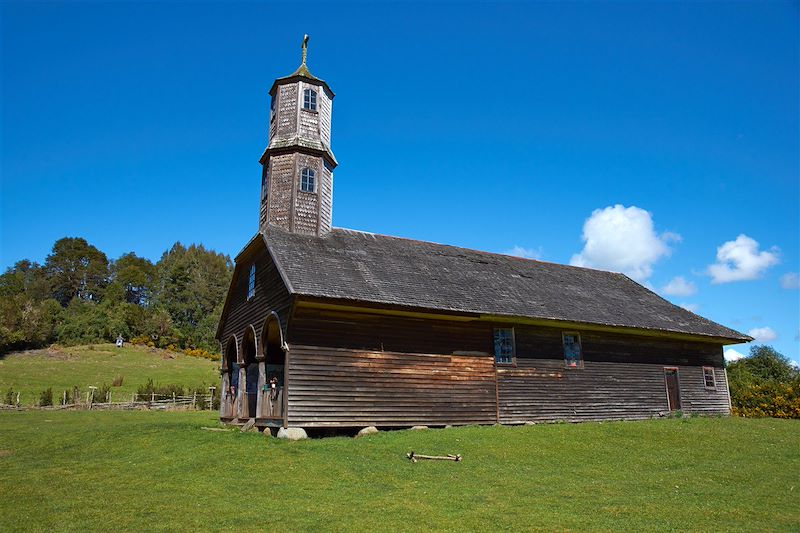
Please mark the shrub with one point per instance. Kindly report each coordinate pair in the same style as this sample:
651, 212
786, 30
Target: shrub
117, 381
764, 384
9, 396
46, 397
101, 393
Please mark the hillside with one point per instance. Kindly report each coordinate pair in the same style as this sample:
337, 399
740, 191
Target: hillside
157, 471
32, 371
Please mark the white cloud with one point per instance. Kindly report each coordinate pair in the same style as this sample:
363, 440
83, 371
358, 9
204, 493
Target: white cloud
741, 260
690, 307
790, 280
622, 239
525, 253
678, 286
765, 334
732, 355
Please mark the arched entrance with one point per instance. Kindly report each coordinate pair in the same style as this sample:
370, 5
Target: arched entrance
275, 367
230, 379
250, 397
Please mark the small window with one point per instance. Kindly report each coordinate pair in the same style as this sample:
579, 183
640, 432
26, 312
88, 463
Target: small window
709, 378
265, 182
504, 345
251, 284
310, 99
307, 180
573, 356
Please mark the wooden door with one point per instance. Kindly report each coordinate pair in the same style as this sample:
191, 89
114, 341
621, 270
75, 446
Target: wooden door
673, 388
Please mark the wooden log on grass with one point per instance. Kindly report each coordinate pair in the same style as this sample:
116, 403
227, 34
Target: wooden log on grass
414, 457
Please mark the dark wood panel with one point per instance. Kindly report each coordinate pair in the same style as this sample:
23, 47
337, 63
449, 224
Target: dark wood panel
543, 390
367, 331
346, 387
271, 295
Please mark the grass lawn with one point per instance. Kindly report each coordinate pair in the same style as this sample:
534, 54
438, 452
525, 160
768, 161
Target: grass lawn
63, 368
156, 471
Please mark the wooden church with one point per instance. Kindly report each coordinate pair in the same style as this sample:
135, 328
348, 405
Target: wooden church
330, 327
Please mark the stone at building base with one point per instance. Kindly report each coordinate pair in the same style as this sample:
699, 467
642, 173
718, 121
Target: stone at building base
292, 433
369, 430
418, 428
530, 423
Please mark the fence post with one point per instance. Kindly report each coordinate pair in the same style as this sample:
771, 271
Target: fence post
152, 396
108, 396
173, 400
133, 398
64, 398
194, 400
17, 400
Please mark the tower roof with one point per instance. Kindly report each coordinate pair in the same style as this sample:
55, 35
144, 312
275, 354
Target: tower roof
301, 73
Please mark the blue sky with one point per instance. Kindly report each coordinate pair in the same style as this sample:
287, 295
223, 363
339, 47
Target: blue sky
502, 127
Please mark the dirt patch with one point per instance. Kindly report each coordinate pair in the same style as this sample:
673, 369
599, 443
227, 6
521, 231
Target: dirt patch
5, 453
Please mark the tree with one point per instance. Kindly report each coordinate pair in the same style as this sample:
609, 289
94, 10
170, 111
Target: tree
192, 283
137, 275
76, 269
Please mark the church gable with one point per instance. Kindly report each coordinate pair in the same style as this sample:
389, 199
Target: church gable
256, 290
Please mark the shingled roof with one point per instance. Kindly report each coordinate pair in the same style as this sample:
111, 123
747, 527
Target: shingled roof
364, 267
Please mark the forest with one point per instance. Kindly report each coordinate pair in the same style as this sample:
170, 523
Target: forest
80, 296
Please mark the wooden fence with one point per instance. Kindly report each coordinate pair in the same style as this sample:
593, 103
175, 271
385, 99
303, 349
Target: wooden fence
133, 401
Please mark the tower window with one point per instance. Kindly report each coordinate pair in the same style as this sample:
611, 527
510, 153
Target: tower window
265, 182
310, 99
251, 283
307, 180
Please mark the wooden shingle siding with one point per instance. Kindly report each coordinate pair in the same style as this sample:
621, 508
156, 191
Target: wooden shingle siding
344, 387
271, 295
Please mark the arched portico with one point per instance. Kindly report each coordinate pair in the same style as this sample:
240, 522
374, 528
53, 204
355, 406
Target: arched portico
274, 349
248, 375
230, 379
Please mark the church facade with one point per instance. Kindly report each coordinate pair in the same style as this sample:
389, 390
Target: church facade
329, 327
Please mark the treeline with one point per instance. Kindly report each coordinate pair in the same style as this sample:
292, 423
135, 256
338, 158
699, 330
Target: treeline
79, 296
765, 383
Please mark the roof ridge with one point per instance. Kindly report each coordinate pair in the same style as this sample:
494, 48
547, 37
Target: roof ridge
484, 252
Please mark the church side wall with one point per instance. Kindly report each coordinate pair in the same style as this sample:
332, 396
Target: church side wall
622, 377
343, 387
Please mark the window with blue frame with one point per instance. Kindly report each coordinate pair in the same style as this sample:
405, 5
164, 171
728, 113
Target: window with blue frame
308, 179
573, 355
504, 345
251, 284
310, 99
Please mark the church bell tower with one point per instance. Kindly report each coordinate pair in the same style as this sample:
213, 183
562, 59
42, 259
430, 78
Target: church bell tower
297, 175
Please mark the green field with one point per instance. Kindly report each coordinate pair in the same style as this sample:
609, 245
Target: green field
82, 366
156, 471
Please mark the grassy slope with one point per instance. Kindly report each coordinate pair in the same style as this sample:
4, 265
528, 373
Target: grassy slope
63, 368
137, 471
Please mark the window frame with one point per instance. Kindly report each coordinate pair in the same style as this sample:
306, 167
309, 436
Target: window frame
251, 283
513, 360
564, 350
312, 175
713, 385
311, 96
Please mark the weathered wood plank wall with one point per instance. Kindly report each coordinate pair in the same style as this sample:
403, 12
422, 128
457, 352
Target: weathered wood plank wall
623, 375
345, 387
543, 390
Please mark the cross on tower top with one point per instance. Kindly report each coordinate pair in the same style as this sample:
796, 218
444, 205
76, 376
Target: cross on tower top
304, 47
